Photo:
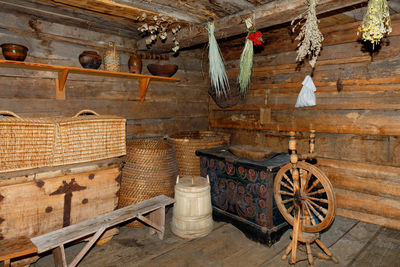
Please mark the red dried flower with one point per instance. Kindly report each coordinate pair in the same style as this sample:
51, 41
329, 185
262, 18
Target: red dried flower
255, 37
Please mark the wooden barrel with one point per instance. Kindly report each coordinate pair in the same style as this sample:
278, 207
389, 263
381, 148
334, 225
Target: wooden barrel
192, 213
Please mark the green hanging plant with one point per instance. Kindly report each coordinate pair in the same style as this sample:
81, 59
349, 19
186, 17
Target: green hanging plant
246, 58
218, 77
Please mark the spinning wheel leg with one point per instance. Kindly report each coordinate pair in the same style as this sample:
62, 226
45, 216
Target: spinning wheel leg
326, 250
309, 254
287, 251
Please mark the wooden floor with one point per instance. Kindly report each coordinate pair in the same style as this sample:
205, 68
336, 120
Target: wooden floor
353, 243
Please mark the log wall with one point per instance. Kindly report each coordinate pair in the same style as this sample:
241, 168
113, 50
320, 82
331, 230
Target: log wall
168, 107
358, 128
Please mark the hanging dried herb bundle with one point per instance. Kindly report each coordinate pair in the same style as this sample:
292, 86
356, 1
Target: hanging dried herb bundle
246, 62
310, 37
376, 22
218, 77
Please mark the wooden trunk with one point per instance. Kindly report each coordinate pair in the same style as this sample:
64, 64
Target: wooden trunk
242, 192
48, 199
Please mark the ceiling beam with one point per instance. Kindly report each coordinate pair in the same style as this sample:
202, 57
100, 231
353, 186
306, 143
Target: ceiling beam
270, 14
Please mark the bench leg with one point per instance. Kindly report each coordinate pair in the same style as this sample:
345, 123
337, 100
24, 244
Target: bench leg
59, 257
86, 248
6, 263
156, 221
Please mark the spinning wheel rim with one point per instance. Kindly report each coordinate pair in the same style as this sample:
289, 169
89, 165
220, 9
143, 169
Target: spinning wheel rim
323, 181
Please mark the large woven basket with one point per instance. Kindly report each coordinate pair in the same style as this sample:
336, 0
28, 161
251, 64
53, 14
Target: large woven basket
187, 143
27, 143
89, 136
150, 170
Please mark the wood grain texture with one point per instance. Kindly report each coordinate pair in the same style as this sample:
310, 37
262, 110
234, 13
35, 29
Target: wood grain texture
267, 15
92, 225
357, 145
32, 93
22, 218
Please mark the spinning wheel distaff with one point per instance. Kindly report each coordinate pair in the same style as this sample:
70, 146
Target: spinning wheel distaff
305, 198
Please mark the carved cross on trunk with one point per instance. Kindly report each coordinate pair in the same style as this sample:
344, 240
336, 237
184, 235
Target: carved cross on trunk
67, 189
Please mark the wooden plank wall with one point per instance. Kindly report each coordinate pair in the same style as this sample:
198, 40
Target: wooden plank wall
358, 128
168, 107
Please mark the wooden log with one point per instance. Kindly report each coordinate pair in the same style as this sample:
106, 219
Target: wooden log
270, 14
342, 121
369, 218
367, 203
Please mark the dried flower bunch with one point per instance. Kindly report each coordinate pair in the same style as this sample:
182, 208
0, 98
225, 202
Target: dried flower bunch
310, 37
376, 22
159, 29
246, 58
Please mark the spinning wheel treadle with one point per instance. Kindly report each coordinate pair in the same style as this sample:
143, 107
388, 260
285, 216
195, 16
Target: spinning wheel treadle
305, 198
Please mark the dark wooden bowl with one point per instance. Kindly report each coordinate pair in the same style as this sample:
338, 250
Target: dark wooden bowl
14, 52
162, 70
90, 60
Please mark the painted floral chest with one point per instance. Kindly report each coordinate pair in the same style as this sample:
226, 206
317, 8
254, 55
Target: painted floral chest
242, 192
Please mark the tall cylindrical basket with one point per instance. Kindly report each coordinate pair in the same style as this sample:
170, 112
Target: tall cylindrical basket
186, 144
150, 170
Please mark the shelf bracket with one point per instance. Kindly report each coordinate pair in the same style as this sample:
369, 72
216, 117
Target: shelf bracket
143, 84
60, 84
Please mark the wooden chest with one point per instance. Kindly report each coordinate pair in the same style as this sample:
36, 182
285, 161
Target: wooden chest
37, 201
242, 192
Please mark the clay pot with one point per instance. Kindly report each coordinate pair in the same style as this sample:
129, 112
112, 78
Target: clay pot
162, 70
14, 52
111, 58
135, 64
90, 60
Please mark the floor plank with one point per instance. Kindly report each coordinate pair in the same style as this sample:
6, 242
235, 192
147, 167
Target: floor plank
354, 243
382, 251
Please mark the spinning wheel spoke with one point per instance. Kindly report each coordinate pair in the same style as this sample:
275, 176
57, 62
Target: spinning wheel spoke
289, 210
320, 191
315, 211
319, 199
311, 217
287, 186
287, 200
287, 179
286, 193
325, 211
313, 185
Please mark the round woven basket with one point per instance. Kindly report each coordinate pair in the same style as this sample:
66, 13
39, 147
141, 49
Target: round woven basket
150, 170
187, 143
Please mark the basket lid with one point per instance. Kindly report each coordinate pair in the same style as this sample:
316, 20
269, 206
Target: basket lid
192, 184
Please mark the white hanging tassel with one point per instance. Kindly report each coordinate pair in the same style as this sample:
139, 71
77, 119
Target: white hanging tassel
218, 77
306, 96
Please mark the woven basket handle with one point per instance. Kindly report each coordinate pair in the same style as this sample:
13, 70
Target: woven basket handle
6, 112
86, 111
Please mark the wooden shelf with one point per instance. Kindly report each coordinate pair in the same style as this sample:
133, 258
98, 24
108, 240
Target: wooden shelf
63, 72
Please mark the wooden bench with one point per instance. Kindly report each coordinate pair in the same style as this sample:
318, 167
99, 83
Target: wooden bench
14, 248
55, 240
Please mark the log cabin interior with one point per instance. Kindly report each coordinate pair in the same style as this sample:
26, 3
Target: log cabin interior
94, 132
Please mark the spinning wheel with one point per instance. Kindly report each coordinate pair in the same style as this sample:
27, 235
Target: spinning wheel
305, 198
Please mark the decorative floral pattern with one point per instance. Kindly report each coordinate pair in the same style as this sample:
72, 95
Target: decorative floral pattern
239, 190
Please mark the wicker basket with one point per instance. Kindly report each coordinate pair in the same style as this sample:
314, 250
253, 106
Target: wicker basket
150, 170
27, 143
187, 143
90, 137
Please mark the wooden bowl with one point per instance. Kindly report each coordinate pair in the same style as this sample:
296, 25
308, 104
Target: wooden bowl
162, 70
14, 52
